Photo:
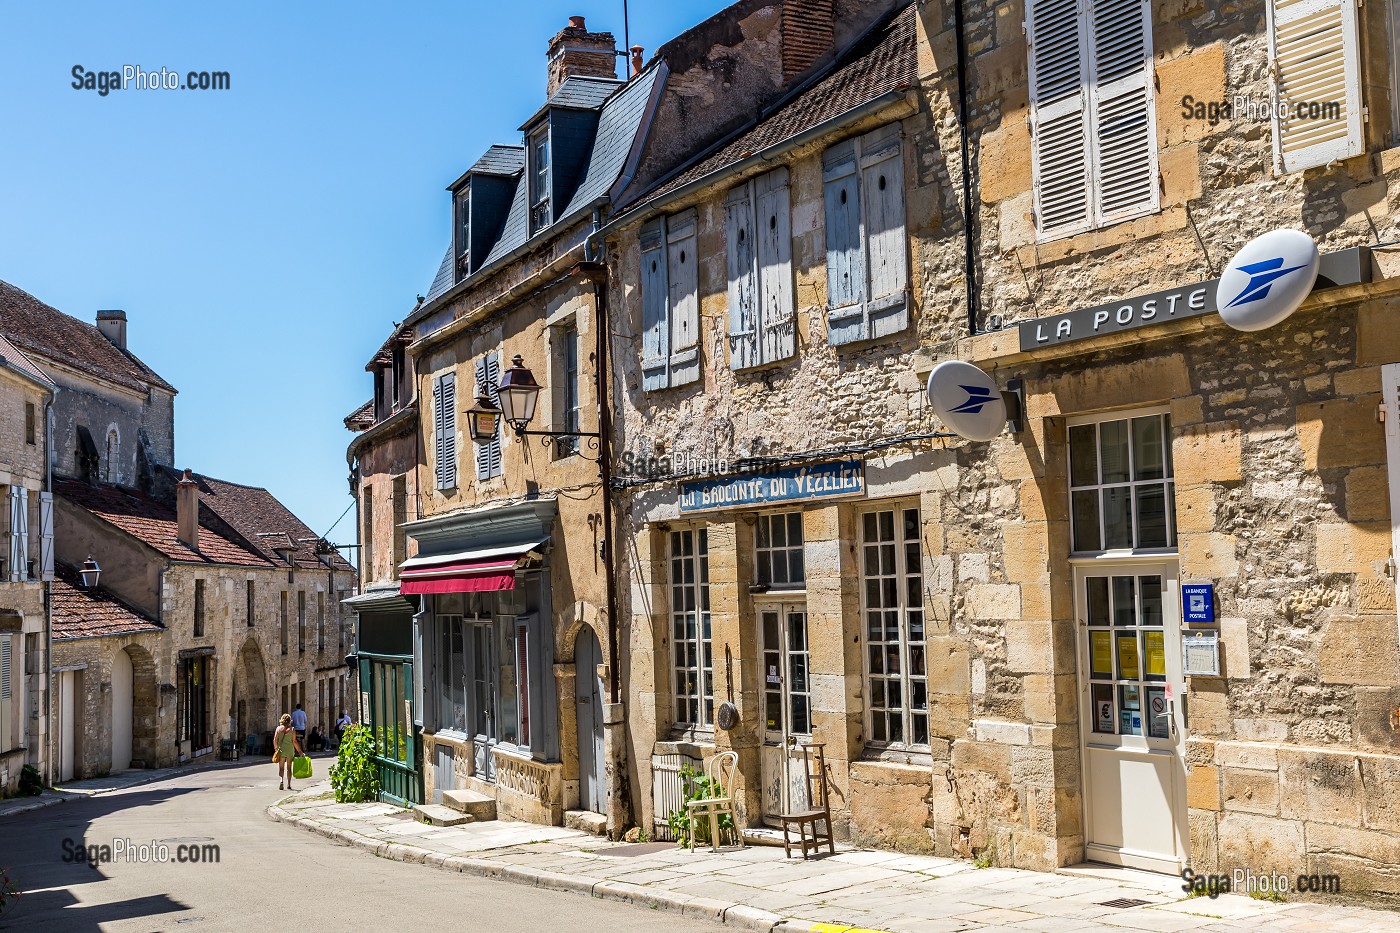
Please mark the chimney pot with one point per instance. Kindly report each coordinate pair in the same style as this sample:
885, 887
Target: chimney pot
576, 22
187, 510
637, 59
112, 324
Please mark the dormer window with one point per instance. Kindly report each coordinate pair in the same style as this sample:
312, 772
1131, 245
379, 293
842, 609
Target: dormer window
539, 179
461, 232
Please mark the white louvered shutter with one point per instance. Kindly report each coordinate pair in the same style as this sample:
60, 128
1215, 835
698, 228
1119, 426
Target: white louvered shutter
46, 536
656, 332
1123, 130
21, 533
488, 380
16, 566
887, 247
683, 288
1060, 158
1314, 61
773, 215
743, 278
845, 250
6, 662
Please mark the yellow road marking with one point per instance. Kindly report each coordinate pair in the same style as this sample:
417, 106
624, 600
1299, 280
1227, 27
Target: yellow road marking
834, 928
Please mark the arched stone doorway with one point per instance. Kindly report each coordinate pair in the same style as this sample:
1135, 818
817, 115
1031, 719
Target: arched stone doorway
588, 698
123, 697
145, 707
249, 711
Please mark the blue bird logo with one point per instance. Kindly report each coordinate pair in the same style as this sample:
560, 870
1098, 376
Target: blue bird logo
977, 396
1262, 276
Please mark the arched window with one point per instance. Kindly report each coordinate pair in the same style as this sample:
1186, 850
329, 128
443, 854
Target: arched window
113, 474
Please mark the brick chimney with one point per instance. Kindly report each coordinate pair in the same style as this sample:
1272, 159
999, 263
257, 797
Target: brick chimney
807, 34
576, 51
113, 327
187, 510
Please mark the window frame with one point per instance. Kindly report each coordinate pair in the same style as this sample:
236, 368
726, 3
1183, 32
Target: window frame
461, 230
1168, 481
766, 519
30, 424
539, 189
699, 701
907, 678
569, 362
199, 608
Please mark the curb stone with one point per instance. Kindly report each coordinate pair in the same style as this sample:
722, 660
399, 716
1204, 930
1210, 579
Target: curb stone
740, 916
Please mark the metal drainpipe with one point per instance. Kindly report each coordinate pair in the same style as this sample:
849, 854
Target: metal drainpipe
969, 242
48, 598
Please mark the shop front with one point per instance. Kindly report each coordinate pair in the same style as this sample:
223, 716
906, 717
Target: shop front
388, 705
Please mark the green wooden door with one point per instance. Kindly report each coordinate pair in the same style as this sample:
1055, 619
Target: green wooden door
390, 716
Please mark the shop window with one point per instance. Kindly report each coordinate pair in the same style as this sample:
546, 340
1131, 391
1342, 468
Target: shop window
867, 251
199, 609
1314, 61
670, 302
1122, 496
452, 675
778, 560
758, 240
1093, 131
522, 682
893, 610
692, 659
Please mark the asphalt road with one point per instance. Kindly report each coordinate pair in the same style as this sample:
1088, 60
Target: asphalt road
269, 876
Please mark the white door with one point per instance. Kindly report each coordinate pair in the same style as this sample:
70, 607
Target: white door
123, 688
67, 730
588, 686
787, 706
1129, 622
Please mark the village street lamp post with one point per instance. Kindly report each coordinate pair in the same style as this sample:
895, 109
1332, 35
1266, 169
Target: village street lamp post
519, 395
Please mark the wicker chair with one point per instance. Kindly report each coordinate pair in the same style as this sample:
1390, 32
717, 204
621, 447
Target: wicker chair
720, 770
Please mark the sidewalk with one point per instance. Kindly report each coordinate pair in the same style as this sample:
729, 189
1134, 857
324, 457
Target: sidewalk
78, 790
851, 892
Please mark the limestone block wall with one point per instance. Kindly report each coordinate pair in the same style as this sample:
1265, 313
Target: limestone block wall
153, 709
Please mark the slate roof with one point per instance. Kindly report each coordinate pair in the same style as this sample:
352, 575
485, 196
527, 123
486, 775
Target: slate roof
251, 511
46, 332
500, 160
578, 92
361, 418
885, 59
11, 356
154, 523
83, 613
443, 280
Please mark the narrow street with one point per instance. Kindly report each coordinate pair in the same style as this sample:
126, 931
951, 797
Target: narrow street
269, 876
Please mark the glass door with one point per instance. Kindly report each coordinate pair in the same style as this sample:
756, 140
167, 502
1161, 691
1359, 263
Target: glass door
482, 638
787, 705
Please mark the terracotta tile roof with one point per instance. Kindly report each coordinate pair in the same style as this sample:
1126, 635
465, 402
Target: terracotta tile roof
248, 512
12, 356
48, 333
81, 613
886, 59
153, 522
361, 418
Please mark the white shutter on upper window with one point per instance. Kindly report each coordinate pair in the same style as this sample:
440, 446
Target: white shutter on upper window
1123, 129
887, 248
22, 533
773, 214
46, 536
15, 550
1060, 161
683, 291
656, 334
743, 278
1314, 62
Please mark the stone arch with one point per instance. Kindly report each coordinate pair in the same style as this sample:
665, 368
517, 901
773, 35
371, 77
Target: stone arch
111, 454
145, 708
571, 620
250, 709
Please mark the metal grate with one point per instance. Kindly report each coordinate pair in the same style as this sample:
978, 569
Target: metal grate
1123, 902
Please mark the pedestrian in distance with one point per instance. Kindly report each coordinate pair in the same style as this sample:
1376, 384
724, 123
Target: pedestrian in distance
285, 746
299, 723
341, 725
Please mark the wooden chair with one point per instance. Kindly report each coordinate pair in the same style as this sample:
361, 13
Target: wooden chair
720, 770
815, 809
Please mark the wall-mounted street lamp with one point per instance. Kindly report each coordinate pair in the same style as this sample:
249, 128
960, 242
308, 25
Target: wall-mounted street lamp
519, 395
90, 573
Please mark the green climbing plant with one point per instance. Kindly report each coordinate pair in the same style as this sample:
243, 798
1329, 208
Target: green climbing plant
31, 782
697, 787
355, 776
9, 893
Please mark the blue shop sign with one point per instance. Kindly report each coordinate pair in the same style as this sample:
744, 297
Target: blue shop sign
1197, 603
839, 480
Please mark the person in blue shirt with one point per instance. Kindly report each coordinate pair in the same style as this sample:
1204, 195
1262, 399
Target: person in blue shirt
299, 724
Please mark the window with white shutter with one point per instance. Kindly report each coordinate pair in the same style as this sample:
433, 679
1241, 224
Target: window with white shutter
46, 536
488, 380
19, 533
867, 249
1314, 62
758, 231
1093, 130
670, 301
445, 430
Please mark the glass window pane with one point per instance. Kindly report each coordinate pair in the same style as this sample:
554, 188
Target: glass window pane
1113, 451
1097, 593
1158, 716
797, 572
1171, 513
1103, 708
920, 722
1129, 664
1129, 711
1147, 448
1150, 593
1083, 464
1117, 518
1151, 515
1167, 433
801, 723
1124, 607
765, 569
1086, 520
877, 728
761, 532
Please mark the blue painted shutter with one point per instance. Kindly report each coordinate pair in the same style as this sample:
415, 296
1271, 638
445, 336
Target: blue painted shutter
46, 536
488, 380
656, 337
445, 429
845, 255
773, 201
683, 288
887, 247
743, 279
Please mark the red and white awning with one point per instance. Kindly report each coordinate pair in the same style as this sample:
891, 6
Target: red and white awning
487, 570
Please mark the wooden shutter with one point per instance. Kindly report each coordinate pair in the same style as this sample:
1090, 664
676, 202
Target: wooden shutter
1314, 61
488, 380
656, 335
21, 505
845, 255
6, 663
743, 278
1123, 130
16, 565
887, 247
773, 204
1060, 157
46, 536
683, 289
445, 429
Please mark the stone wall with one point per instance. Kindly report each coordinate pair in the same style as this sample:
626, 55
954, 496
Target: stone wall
138, 418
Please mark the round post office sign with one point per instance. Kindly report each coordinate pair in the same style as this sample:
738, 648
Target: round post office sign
967, 400
1267, 280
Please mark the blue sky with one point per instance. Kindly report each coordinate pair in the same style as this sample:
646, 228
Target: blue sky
262, 239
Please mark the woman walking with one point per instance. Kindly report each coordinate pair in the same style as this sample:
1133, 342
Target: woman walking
285, 746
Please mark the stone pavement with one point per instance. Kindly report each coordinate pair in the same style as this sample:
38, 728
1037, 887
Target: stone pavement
757, 888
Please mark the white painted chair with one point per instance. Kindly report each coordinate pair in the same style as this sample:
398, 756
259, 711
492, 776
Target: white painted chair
720, 770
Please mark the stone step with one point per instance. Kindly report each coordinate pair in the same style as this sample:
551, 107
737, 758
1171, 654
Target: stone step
439, 815
479, 806
586, 821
